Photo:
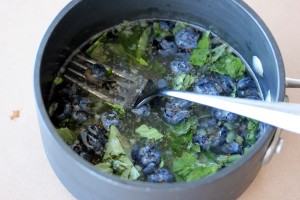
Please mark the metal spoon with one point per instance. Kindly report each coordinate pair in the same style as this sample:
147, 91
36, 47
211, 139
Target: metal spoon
279, 114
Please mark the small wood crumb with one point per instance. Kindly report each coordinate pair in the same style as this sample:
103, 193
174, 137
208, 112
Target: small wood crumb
15, 115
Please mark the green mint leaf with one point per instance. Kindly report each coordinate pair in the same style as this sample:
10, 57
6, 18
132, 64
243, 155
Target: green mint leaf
189, 168
252, 129
226, 160
143, 43
98, 43
115, 155
202, 171
159, 32
116, 107
185, 127
184, 164
229, 65
106, 167
67, 135
127, 169
217, 52
200, 55
113, 147
142, 62
182, 81
180, 138
58, 80
230, 137
204, 42
149, 133
239, 140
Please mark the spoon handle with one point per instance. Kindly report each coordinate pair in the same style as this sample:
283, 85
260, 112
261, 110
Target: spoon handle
279, 114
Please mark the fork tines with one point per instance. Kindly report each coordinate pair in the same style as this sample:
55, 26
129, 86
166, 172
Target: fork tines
110, 83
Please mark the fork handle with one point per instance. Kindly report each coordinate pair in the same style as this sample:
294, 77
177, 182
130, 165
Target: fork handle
279, 114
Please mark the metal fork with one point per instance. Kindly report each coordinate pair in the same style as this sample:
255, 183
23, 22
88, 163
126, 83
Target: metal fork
279, 114
120, 85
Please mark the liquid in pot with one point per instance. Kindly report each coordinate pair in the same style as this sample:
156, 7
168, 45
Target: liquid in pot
167, 140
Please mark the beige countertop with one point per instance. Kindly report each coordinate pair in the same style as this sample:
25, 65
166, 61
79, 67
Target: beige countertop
24, 170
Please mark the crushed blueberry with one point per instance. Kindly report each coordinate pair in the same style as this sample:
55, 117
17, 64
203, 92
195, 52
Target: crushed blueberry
227, 84
109, 119
94, 139
207, 86
81, 104
165, 47
246, 87
143, 111
148, 157
162, 84
161, 175
180, 67
80, 116
223, 115
187, 38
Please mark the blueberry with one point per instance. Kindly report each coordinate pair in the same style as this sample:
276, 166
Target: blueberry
187, 39
227, 84
67, 111
135, 154
162, 84
149, 154
161, 175
179, 104
220, 138
98, 72
180, 67
201, 140
94, 139
95, 73
207, 86
70, 90
208, 122
166, 48
246, 87
176, 111
80, 116
149, 169
231, 148
182, 56
175, 117
165, 25
232, 117
143, 111
109, 119
223, 115
148, 157
208, 126
81, 104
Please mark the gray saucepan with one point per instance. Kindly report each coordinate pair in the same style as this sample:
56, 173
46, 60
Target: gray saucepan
232, 20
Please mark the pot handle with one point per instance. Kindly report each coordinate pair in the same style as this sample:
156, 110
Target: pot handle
277, 141
292, 83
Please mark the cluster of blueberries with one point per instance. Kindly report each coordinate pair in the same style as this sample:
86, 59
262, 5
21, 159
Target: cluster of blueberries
149, 158
176, 111
177, 45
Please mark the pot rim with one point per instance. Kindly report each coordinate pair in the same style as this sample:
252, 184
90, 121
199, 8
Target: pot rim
117, 181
